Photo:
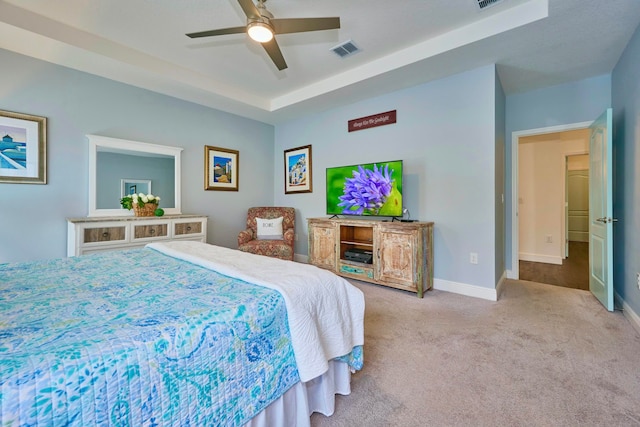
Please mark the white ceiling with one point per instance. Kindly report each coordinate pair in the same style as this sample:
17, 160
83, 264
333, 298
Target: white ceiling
536, 43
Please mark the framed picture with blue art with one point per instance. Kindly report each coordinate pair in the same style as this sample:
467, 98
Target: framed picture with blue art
23, 148
221, 168
297, 170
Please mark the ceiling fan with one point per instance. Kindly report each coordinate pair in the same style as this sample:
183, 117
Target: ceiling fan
262, 27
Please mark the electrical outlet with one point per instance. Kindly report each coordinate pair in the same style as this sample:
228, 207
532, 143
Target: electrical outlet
549, 238
473, 258
638, 279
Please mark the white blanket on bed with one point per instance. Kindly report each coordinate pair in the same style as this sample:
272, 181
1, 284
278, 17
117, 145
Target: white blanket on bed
325, 312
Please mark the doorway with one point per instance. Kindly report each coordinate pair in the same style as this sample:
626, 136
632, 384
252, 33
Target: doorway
550, 218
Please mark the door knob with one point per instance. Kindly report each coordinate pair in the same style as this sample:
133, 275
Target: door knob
606, 220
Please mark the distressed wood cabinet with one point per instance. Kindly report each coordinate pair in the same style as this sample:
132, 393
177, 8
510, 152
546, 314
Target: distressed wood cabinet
322, 243
98, 234
401, 253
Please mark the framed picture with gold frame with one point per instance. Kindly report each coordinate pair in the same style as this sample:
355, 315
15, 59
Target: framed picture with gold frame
222, 168
23, 148
297, 170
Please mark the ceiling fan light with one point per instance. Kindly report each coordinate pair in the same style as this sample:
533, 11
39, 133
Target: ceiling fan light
260, 32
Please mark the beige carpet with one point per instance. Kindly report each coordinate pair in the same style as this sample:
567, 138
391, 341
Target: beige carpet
540, 356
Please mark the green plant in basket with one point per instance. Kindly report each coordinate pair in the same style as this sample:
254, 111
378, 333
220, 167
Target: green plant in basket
141, 199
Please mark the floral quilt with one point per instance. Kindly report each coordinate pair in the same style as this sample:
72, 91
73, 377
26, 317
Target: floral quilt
137, 338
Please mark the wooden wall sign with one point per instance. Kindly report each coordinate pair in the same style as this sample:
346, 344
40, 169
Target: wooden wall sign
372, 121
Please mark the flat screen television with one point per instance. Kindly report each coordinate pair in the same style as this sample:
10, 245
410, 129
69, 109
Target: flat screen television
366, 189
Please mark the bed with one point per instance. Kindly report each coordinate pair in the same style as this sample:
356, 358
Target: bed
174, 334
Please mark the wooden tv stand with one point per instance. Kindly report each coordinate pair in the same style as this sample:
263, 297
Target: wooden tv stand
402, 252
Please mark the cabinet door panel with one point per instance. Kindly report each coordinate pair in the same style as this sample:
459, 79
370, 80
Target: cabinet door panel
397, 257
322, 246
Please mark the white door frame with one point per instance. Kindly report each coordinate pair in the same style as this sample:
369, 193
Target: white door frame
515, 139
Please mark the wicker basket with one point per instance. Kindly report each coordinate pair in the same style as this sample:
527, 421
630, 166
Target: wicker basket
147, 210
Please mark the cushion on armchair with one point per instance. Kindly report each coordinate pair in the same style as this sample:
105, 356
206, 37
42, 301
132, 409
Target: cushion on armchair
269, 229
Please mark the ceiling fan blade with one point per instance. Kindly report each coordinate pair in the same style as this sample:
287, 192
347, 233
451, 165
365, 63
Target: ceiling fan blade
249, 9
220, 32
274, 52
300, 25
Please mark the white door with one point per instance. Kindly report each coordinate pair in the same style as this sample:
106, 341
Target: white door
601, 210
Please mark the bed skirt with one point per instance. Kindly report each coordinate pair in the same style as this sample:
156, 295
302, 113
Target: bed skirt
294, 408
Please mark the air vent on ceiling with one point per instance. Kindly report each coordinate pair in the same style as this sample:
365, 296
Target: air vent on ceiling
483, 4
345, 49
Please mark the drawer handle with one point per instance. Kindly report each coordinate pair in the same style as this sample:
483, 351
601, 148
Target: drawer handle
189, 228
105, 234
152, 231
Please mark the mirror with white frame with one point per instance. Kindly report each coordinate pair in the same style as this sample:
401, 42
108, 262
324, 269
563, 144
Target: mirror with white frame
116, 162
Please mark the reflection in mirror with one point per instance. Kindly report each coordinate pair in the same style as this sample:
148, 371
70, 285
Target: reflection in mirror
134, 186
111, 167
118, 166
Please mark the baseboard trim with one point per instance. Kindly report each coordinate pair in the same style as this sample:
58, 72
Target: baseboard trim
549, 259
449, 286
501, 284
628, 312
511, 275
465, 289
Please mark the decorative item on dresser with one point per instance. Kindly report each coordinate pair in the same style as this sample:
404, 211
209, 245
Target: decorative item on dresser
98, 234
394, 254
142, 204
146, 210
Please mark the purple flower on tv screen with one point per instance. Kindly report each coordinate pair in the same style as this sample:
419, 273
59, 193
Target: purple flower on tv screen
367, 191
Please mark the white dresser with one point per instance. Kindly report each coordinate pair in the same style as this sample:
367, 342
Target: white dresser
98, 234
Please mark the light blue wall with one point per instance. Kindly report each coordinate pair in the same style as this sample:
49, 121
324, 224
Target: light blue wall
32, 217
575, 102
445, 133
500, 112
448, 132
626, 156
